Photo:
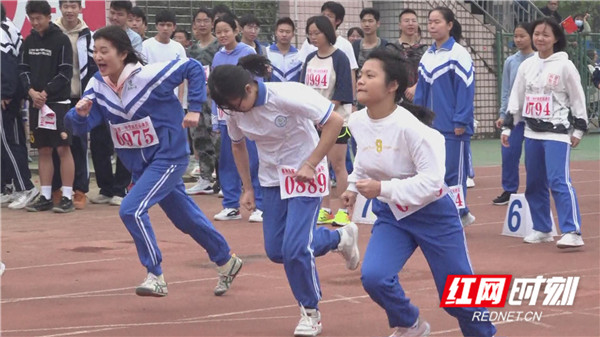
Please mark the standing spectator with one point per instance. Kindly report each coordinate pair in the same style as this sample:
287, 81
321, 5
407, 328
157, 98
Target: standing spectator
369, 22
511, 155
551, 10
283, 56
137, 22
250, 26
183, 37
447, 86
354, 34
409, 48
161, 48
581, 21
113, 186
14, 149
205, 141
46, 69
551, 79
83, 69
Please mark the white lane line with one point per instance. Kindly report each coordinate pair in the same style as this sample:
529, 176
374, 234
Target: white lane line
64, 264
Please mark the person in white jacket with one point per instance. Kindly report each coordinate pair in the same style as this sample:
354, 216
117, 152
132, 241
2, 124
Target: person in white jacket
401, 163
548, 95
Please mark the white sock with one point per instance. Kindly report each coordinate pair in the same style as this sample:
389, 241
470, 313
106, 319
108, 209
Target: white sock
328, 210
67, 192
343, 210
47, 192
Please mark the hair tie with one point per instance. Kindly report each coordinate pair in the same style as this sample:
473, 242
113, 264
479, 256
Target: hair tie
401, 100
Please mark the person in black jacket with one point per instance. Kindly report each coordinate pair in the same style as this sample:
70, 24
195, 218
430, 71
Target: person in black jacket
46, 68
551, 10
13, 148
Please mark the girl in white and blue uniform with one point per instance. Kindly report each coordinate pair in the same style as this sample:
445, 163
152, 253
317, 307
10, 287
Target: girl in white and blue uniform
512, 155
281, 119
446, 85
147, 126
548, 95
231, 185
400, 163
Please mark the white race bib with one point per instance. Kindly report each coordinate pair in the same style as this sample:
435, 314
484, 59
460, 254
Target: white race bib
400, 211
136, 134
220, 114
537, 106
458, 196
318, 78
46, 118
289, 187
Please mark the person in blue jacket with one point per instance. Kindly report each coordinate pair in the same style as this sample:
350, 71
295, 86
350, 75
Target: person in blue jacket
446, 85
146, 123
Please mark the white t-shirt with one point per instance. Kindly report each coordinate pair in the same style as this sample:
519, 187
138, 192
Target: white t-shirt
340, 43
154, 52
282, 123
407, 156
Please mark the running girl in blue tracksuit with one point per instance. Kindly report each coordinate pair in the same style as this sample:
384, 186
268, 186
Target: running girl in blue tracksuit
548, 95
400, 163
231, 185
511, 155
147, 123
281, 119
446, 85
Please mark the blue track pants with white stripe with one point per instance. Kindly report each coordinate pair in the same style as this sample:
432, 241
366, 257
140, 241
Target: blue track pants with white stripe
547, 165
161, 183
437, 230
293, 238
457, 166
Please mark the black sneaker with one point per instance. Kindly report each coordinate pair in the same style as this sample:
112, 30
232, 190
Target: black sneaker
65, 206
502, 199
39, 205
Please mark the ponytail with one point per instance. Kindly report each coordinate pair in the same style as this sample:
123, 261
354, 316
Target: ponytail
257, 65
456, 31
423, 114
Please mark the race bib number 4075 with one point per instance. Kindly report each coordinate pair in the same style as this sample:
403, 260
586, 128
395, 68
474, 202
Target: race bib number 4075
290, 187
134, 135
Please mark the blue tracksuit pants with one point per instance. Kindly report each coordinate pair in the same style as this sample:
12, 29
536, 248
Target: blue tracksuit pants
161, 183
437, 230
457, 166
292, 237
510, 159
229, 178
547, 165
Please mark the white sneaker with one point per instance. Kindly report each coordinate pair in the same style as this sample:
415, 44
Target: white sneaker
256, 216
221, 195
228, 214
7, 198
467, 219
2, 268
152, 286
195, 172
100, 199
570, 240
23, 198
420, 328
538, 237
227, 273
470, 182
309, 324
201, 187
116, 201
348, 245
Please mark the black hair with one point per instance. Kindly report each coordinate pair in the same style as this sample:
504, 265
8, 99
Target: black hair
138, 12
228, 19
38, 7
285, 21
337, 9
526, 26
249, 19
188, 35
118, 5
370, 10
205, 11
395, 70
406, 11
228, 82
61, 2
3, 12
561, 40
119, 39
324, 26
221, 9
448, 14
165, 15
355, 29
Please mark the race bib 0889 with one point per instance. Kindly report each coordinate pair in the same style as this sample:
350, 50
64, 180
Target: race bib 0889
290, 187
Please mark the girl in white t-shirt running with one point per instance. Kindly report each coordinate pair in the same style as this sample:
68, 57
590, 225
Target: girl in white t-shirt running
280, 118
